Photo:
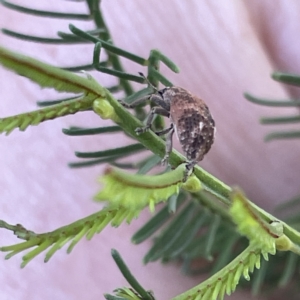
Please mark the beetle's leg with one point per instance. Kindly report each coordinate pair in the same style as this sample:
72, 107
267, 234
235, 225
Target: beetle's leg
159, 101
189, 167
135, 103
153, 112
169, 145
164, 131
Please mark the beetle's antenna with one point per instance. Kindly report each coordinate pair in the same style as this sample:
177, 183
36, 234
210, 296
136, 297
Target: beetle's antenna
147, 80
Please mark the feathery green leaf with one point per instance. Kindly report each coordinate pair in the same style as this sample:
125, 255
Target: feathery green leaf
48, 76
251, 225
55, 240
22, 121
225, 280
137, 191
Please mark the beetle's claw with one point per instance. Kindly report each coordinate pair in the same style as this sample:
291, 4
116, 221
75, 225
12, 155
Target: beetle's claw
165, 160
126, 105
141, 130
189, 168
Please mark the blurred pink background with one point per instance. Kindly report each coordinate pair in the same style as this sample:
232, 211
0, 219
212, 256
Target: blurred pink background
223, 50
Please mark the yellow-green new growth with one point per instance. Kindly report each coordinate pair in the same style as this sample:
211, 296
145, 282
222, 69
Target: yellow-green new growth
225, 280
263, 238
73, 233
127, 293
103, 108
136, 191
250, 224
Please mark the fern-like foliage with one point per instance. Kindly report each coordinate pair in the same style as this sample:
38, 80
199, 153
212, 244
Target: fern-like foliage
119, 191
195, 232
199, 215
73, 233
137, 191
251, 225
291, 79
226, 280
48, 76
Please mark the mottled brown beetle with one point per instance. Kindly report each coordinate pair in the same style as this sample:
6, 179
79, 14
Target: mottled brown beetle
190, 119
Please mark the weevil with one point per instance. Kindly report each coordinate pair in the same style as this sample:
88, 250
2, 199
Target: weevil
190, 119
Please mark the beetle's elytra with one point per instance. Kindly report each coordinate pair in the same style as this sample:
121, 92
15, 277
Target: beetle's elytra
192, 122
190, 119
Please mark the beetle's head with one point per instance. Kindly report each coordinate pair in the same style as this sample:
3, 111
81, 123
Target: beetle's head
163, 91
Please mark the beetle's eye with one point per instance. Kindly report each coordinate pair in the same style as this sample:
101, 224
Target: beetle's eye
161, 92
